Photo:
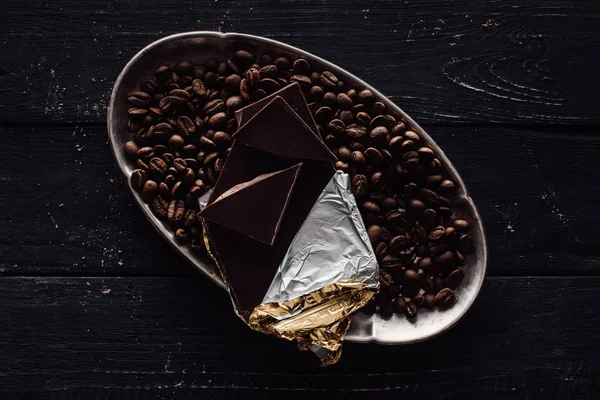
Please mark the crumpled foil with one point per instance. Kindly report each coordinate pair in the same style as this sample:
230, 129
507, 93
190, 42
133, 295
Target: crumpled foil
329, 271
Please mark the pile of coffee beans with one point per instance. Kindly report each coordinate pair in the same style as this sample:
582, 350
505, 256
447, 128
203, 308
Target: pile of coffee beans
182, 122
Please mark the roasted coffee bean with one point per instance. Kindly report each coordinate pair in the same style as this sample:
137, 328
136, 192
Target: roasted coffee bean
429, 219
303, 80
139, 99
454, 279
222, 139
400, 305
371, 207
218, 121
328, 79
366, 96
438, 284
445, 298
416, 206
410, 135
381, 250
409, 290
369, 308
176, 211
426, 281
160, 206
360, 186
175, 143
378, 181
436, 233
427, 265
373, 156
344, 102
181, 236
445, 259
344, 153
429, 301
465, 244
447, 186
164, 190
376, 234
145, 153
131, 150
388, 204
391, 262
149, 191
158, 167
461, 225
138, 179
358, 159
412, 278
421, 234
323, 114
411, 309
388, 310
207, 145
398, 243
418, 300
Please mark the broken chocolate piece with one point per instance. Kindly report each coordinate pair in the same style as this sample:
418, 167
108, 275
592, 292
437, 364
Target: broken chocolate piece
292, 94
279, 130
255, 208
248, 265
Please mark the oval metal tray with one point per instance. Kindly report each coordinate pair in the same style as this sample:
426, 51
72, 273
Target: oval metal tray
199, 46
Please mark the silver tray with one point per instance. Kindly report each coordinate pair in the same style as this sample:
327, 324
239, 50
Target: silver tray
198, 46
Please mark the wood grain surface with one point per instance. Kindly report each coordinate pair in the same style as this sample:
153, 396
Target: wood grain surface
443, 62
95, 304
524, 337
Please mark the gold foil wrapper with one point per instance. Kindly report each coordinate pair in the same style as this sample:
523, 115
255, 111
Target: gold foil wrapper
328, 273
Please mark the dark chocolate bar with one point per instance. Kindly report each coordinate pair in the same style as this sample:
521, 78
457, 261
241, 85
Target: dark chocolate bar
292, 94
255, 208
279, 130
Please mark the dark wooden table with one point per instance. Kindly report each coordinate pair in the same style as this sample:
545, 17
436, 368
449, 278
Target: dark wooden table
95, 304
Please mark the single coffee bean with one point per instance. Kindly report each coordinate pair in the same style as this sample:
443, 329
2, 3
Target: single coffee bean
138, 179
461, 225
454, 279
445, 298
445, 259
176, 142
378, 181
465, 244
131, 150
222, 139
421, 234
302, 66
344, 102
371, 207
398, 243
447, 186
413, 136
381, 250
328, 79
218, 121
158, 167
429, 301
409, 290
160, 206
344, 153
438, 284
388, 310
429, 219
388, 204
149, 191
369, 308
375, 233
366, 96
323, 115
303, 80
427, 265
436, 233
418, 300
164, 191
373, 156
358, 159
181, 236
391, 262
360, 186
411, 309
400, 305
176, 211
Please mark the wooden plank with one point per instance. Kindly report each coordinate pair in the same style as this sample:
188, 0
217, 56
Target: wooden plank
150, 337
531, 187
443, 62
